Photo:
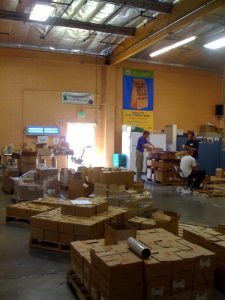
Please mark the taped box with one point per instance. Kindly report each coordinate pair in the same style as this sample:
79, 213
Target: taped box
84, 207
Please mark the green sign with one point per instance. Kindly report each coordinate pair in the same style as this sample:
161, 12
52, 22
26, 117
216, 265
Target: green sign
138, 73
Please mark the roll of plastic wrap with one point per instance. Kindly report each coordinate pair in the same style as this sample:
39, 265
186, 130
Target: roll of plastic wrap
139, 248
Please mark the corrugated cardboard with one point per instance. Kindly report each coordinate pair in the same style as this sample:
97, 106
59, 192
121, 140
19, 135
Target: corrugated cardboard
115, 232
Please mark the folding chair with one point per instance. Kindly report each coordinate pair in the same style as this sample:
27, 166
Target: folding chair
178, 174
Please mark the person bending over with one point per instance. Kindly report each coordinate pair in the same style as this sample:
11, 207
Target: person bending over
189, 169
142, 144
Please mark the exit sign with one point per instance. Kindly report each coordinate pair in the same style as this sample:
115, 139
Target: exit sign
81, 114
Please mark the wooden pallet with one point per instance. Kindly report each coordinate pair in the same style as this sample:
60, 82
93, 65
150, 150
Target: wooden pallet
77, 287
214, 179
213, 190
55, 246
16, 219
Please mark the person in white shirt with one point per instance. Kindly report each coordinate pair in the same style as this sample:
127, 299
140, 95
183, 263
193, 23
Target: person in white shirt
189, 169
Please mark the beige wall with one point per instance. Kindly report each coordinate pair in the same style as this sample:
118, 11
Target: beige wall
31, 83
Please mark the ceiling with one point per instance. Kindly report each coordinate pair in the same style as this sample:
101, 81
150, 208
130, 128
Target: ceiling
100, 28
194, 54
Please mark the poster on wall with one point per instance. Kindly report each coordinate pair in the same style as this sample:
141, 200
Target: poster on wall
77, 98
138, 98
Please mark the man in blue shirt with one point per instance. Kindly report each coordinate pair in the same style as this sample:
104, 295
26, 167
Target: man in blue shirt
142, 144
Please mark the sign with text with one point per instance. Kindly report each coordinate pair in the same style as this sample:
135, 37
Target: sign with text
138, 98
77, 98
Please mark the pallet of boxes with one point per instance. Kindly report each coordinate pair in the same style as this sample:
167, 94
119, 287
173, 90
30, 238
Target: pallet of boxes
160, 166
36, 184
72, 220
176, 269
213, 240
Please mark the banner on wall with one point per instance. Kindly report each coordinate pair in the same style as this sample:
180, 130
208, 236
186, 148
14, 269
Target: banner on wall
138, 98
77, 98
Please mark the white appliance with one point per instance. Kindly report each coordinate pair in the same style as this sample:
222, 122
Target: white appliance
171, 137
129, 143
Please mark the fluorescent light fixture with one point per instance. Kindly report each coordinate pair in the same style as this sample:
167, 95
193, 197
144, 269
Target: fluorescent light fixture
51, 48
173, 46
220, 43
42, 130
41, 12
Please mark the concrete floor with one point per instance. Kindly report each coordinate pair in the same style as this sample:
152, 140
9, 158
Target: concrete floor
33, 274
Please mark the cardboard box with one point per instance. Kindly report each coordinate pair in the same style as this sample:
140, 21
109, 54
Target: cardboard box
78, 188
221, 228
26, 167
115, 232
118, 177
157, 274
168, 220
164, 176
28, 191
202, 294
94, 174
8, 184
167, 155
27, 159
219, 173
37, 233
43, 173
66, 238
51, 236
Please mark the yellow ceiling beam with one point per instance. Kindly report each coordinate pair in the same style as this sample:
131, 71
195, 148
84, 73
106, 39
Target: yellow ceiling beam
182, 14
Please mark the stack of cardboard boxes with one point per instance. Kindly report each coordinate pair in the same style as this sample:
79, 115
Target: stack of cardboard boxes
177, 269
35, 183
8, 184
25, 210
212, 240
117, 195
141, 223
160, 166
57, 227
108, 176
27, 162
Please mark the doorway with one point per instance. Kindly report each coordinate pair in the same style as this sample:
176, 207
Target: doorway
81, 138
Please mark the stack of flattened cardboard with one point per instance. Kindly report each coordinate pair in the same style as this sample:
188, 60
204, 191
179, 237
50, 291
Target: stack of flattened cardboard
177, 269
25, 210
212, 240
53, 226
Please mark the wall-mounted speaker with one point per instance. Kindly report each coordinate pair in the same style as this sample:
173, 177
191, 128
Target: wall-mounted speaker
220, 110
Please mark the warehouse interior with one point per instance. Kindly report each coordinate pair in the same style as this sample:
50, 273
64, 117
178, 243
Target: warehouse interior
103, 105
